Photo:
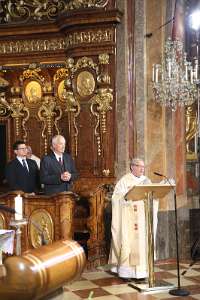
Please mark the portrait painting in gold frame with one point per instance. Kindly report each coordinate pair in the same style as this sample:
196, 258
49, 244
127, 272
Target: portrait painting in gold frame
33, 92
85, 83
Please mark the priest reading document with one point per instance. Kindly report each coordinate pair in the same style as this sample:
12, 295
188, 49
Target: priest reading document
128, 253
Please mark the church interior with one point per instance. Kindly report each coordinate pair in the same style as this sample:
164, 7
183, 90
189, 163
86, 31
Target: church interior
118, 79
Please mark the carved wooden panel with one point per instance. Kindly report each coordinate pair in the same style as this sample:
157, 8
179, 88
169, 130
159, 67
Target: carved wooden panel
49, 218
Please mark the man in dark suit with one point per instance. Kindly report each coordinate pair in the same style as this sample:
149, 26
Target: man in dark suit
22, 173
57, 170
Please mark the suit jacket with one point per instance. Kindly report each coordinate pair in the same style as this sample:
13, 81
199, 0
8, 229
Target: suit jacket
51, 170
19, 178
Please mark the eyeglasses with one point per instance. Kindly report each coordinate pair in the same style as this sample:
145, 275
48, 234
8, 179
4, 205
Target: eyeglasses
139, 166
24, 148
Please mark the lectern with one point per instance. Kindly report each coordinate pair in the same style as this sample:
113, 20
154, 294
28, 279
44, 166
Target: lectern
148, 193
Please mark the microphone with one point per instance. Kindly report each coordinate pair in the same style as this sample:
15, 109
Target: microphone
7, 209
158, 174
167, 179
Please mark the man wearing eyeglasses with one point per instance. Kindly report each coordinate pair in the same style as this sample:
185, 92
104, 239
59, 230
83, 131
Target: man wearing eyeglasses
22, 173
128, 245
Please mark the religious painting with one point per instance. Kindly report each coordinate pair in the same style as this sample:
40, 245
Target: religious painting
33, 92
85, 83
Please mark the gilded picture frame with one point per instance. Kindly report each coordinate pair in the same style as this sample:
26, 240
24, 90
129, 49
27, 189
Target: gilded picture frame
85, 83
33, 92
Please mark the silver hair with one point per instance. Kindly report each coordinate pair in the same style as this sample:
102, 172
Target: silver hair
56, 139
135, 161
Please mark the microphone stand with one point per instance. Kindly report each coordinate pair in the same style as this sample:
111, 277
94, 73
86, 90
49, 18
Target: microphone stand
178, 291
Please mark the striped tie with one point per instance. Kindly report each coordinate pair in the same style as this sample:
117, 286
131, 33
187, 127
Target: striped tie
24, 164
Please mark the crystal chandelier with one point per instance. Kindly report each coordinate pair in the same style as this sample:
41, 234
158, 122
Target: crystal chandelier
175, 79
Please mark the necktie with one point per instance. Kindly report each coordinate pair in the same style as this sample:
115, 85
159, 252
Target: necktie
24, 164
60, 161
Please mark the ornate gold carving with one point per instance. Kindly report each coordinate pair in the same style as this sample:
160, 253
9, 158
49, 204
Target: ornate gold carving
191, 130
85, 83
89, 37
74, 107
74, 4
2, 221
85, 62
49, 113
37, 10
3, 83
102, 100
32, 46
4, 109
72, 39
106, 172
32, 73
17, 110
61, 73
41, 10
41, 228
104, 59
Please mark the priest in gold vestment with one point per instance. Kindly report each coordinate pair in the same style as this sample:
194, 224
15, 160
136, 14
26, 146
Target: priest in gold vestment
128, 253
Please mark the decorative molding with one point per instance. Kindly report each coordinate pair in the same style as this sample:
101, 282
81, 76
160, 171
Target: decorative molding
101, 36
90, 37
77, 4
32, 45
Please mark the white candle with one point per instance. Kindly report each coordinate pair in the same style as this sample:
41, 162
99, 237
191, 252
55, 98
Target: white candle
169, 69
18, 207
191, 75
196, 69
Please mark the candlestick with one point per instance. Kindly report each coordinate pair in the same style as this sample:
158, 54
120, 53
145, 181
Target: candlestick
18, 207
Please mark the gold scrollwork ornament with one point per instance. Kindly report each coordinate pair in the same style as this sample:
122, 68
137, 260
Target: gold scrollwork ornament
72, 106
49, 113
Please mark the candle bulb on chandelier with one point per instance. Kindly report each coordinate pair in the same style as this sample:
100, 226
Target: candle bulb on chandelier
169, 69
156, 79
153, 72
191, 75
196, 69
